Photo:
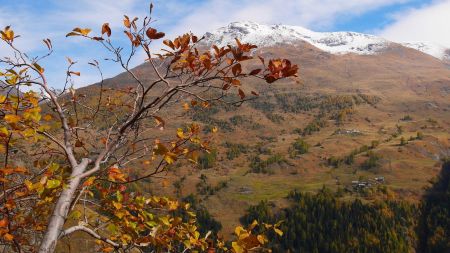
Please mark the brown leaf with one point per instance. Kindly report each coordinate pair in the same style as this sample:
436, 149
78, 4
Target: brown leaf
48, 43
270, 78
106, 29
78, 144
255, 72
169, 43
74, 73
237, 69
153, 34
130, 36
241, 94
262, 60
236, 82
159, 122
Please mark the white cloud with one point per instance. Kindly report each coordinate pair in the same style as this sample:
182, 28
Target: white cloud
54, 19
430, 23
313, 14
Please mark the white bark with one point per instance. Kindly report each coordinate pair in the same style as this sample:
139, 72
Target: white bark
61, 210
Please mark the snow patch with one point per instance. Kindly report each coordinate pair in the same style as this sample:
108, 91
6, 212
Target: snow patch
332, 42
430, 48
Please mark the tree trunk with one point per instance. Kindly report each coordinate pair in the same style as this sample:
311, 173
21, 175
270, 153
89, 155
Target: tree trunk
61, 210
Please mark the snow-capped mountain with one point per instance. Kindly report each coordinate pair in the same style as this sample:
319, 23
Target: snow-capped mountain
430, 48
332, 42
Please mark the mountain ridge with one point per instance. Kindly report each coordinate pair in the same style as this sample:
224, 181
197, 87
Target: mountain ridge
331, 42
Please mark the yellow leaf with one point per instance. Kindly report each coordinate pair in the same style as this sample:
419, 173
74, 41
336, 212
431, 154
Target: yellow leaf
173, 205
278, 231
52, 183
170, 157
76, 214
215, 129
12, 118
261, 239
84, 31
254, 224
7, 34
79, 31
165, 220
38, 67
238, 230
117, 205
28, 184
237, 248
4, 132
180, 133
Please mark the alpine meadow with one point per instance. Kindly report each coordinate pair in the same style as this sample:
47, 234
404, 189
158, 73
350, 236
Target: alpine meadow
252, 136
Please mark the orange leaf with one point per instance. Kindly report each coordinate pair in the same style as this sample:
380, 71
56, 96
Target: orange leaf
126, 22
8, 237
108, 249
3, 223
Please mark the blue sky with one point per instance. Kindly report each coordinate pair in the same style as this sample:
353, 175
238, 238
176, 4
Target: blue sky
397, 20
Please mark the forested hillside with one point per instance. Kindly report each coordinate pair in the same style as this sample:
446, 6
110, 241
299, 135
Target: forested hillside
324, 222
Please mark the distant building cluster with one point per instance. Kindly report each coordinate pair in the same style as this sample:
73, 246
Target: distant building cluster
357, 184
